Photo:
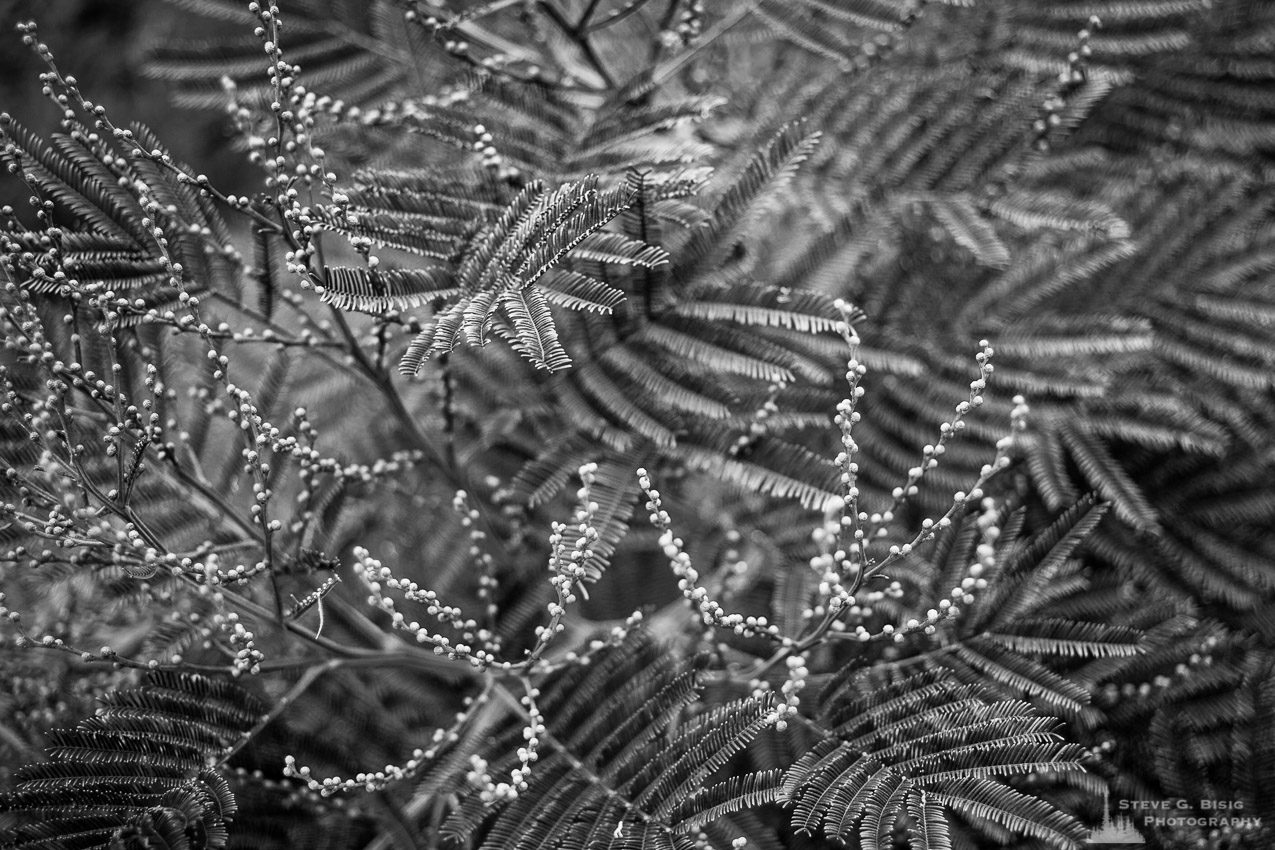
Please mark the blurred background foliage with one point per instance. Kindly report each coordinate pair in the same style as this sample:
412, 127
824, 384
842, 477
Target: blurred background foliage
105, 41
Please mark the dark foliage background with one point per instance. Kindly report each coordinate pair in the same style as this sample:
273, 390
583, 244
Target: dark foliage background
109, 40
686, 234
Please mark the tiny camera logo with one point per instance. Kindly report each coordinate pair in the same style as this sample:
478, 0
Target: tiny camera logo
1118, 830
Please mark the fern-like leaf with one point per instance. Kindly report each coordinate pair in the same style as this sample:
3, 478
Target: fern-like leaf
372, 291
925, 743
965, 223
616, 772
533, 236
144, 770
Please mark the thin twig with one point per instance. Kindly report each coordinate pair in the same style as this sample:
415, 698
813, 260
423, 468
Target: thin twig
671, 65
581, 40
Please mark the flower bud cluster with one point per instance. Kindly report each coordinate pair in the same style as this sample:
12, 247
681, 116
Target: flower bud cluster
377, 780
1075, 75
710, 612
312, 468
494, 793
247, 657
293, 112
146, 430
570, 560
444, 26
1017, 425
471, 519
760, 423
614, 637
930, 527
1191, 668
931, 453
794, 683
840, 560
688, 28
376, 575
314, 599
988, 524
842, 607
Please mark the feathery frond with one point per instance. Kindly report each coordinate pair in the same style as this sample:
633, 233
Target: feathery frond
926, 741
144, 769
618, 772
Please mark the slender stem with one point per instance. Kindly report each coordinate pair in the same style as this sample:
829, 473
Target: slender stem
580, 768
484, 10
395, 822
381, 379
307, 679
203, 489
615, 17
440, 462
587, 15
580, 39
670, 66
